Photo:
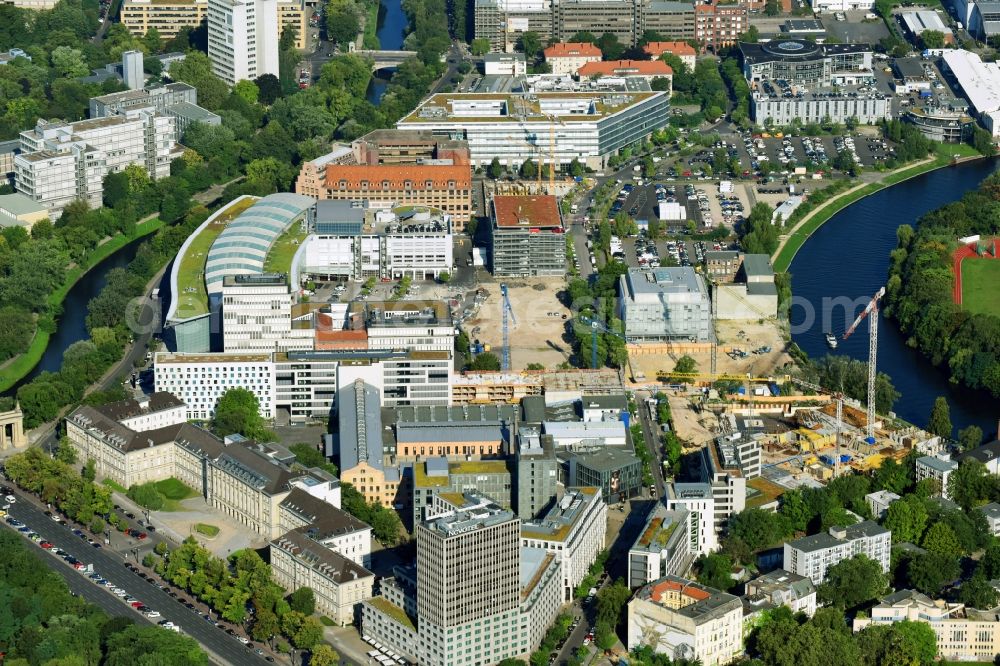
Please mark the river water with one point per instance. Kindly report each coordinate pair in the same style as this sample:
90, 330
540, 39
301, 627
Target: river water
849, 257
391, 31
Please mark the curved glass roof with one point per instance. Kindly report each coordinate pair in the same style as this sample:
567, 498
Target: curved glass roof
242, 247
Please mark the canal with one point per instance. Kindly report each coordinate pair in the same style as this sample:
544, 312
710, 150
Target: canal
849, 257
391, 31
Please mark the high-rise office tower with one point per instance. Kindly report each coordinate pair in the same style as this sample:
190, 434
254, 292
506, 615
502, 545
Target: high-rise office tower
243, 38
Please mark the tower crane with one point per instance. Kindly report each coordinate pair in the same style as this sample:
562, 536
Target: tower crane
870, 309
596, 326
508, 311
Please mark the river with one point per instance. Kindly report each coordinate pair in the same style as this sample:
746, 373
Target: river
391, 31
849, 257
71, 325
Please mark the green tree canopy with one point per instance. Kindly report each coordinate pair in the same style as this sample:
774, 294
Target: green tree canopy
852, 582
238, 411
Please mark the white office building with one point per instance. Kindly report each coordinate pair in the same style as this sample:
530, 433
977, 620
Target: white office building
698, 501
243, 38
665, 304
812, 556
828, 6
662, 549
62, 162
574, 531
980, 85
257, 315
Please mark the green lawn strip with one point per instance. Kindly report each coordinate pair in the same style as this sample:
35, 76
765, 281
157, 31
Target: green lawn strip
114, 485
979, 280
279, 257
795, 241
25, 363
370, 38
211, 531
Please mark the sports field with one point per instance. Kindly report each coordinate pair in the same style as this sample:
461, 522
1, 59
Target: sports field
981, 286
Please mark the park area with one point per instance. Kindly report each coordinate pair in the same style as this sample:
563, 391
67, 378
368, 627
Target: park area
981, 286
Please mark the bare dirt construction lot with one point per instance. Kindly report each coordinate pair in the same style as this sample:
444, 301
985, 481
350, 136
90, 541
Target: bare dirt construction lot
746, 335
538, 334
694, 428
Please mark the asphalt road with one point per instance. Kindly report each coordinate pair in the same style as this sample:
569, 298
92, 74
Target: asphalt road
222, 648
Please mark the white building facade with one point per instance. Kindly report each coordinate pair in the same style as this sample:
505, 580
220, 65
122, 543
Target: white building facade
243, 38
812, 556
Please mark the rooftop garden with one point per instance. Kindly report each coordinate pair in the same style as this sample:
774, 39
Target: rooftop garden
656, 533
393, 611
279, 257
760, 491
478, 467
421, 480
192, 297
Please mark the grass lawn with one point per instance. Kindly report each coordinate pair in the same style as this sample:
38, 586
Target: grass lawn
192, 295
175, 490
279, 257
981, 286
114, 485
370, 38
210, 531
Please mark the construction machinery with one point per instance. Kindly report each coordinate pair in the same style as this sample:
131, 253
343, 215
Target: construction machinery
839, 398
595, 327
508, 312
871, 311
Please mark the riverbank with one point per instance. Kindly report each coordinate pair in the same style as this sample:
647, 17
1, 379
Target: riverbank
17, 368
800, 233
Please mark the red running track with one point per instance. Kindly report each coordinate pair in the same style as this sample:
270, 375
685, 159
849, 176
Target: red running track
960, 255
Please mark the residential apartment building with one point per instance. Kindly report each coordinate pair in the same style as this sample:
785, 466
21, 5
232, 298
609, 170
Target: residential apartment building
867, 108
811, 556
502, 22
479, 596
447, 187
646, 69
177, 100
615, 17
665, 304
720, 25
781, 588
727, 464
939, 468
684, 619
963, 634
243, 38
988, 454
527, 236
684, 51
676, 19
568, 57
662, 549
339, 584
199, 380
574, 531
879, 502
63, 162
170, 16
697, 500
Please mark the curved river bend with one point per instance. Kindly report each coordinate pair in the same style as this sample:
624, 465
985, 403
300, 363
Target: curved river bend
849, 257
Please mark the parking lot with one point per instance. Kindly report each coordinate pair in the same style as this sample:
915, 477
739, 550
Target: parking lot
701, 203
641, 252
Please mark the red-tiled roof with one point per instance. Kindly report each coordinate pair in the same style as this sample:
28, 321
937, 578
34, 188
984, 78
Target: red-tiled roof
534, 211
698, 594
626, 67
398, 176
656, 49
572, 50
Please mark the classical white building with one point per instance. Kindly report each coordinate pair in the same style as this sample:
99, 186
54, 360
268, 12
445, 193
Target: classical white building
684, 619
573, 530
812, 556
243, 38
62, 162
327, 524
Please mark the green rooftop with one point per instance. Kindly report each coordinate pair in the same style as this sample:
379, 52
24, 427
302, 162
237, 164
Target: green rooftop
421, 480
393, 611
656, 533
279, 257
192, 296
478, 467
760, 491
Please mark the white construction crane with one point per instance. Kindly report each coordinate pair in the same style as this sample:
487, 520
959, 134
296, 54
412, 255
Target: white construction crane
870, 309
508, 312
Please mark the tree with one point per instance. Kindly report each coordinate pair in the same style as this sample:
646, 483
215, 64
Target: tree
485, 361
69, 62
495, 170
758, 528
892, 476
772, 8
686, 366
303, 600
480, 46
716, 570
528, 169
905, 643
66, 452
309, 633
978, 593
342, 23
309, 456
970, 484
324, 655
970, 437
247, 91
529, 44
269, 89
941, 539
932, 39
930, 572
940, 420
906, 519
238, 411
850, 583
89, 471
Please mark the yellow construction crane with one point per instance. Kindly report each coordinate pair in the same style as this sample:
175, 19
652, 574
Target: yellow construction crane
714, 377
